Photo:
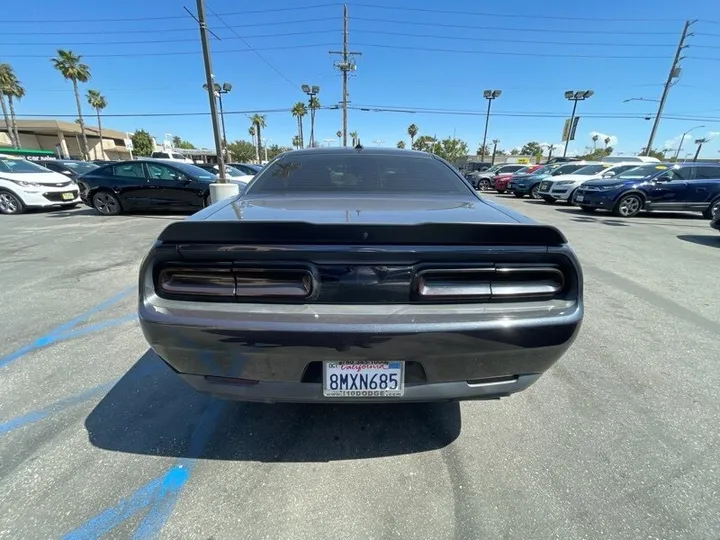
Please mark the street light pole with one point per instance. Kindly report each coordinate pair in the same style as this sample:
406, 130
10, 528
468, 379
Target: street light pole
682, 139
219, 91
699, 142
489, 95
311, 91
495, 143
580, 95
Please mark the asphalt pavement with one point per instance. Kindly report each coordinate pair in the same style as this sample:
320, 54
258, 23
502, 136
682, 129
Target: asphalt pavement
98, 438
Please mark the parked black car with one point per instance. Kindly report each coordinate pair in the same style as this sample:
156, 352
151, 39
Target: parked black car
72, 168
247, 168
145, 185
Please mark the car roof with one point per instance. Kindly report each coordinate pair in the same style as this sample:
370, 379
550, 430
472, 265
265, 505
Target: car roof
370, 150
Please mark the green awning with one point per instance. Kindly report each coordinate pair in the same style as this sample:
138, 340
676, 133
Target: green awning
26, 152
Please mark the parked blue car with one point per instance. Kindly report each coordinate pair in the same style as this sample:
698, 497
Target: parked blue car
660, 186
522, 185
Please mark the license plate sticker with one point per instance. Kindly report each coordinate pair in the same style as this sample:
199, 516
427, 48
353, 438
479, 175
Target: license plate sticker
364, 379
579, 198
68, 196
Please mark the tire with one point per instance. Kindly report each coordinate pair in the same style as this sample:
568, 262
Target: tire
628, 206
518, 195
712, 210
571, 197
206, 201
588, 209
500, 191
10, 203
534, 191
106, 203
483, 184
549, 200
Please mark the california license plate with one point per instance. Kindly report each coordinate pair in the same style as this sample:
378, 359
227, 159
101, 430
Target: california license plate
579, 198
68, 196
363, 379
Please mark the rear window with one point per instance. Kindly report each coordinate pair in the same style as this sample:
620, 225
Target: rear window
356, 173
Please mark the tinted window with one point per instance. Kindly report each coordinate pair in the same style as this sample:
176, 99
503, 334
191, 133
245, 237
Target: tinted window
591, 169
162, 155
129, 170
353, 173
194, 171
163, 172
566, 169
19, 165
707, 173
52, 166
619, 169
177, 156
642, 171
80, 166
675, 174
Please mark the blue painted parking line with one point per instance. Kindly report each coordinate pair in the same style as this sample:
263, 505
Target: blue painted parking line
158, 496
63, 331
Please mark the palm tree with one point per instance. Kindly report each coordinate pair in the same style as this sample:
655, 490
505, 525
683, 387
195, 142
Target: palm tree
354, 135
606, 141
69, 65
401, 144
412, 131
253, 133
298, 111
296, 141
7, 80
98, 102
314, 105
595, 140
258, 120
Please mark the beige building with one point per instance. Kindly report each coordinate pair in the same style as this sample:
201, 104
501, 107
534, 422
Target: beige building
65, 138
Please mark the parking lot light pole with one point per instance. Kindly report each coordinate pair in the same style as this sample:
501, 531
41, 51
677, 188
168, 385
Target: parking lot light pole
495, 143
219, 91
489, 95
682, 139
311, 91
570, 95
699, 142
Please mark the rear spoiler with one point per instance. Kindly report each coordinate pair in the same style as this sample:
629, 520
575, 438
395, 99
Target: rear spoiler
303, 233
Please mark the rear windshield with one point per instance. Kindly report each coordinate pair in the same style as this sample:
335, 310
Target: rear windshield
356, 173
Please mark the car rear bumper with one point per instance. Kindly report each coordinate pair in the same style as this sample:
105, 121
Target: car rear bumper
260, 352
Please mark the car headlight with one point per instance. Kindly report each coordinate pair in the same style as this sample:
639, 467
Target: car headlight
609, 188
563, 182
25, 184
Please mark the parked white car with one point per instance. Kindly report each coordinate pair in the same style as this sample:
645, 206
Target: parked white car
171, 156
562, 187
23, 184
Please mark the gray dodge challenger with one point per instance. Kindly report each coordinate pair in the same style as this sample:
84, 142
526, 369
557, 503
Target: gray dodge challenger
360, 275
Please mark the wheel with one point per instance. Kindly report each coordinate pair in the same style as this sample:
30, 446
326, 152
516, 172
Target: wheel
106, 203
534, 191
588, 209
571, 197
10, 203
549, 199
628, 205
712, 210
206, 201
500, 191
518, 195
483, 184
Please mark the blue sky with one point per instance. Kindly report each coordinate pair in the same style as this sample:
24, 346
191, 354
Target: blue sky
421, 55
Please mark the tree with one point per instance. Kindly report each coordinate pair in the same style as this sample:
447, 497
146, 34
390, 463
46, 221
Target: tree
274, 151
659, 154
401, 144
595, 140
179, 142
258, 120
500, 152
296, 142
412, 131
532, 148
72, 69
354, 135
514, 152
314, 106
15, 90
451, 149
607, 142
98, 102
242, 150
487, 151
425, 143
253, 133
143, 144
298, 111
6, 78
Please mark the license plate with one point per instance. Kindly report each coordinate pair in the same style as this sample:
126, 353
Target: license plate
544, 185
68, 196
579, 198
364, 379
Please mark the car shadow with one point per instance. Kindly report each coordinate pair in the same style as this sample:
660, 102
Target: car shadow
73, 212
701, 239
640, 217
151, 411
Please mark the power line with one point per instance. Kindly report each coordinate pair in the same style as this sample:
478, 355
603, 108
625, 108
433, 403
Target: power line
161, 30
276, 70
184, 40
167, 17
514, 15
504, 29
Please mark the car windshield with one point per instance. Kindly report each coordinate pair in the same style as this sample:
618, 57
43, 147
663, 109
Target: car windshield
356, 173
642, 171
524, 170
20, 166
80, 166
195, 171
590, 169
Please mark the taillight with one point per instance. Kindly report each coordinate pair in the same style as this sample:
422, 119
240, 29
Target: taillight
498, 282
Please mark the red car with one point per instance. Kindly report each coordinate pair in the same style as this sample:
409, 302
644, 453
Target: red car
501, 180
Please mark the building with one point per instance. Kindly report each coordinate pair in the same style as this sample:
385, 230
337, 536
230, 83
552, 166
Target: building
64, 139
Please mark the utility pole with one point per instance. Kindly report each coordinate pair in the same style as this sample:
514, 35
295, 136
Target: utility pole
346, 65
211, 89
674, 73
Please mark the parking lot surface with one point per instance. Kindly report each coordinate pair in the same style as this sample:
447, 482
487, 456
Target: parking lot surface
618, 440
